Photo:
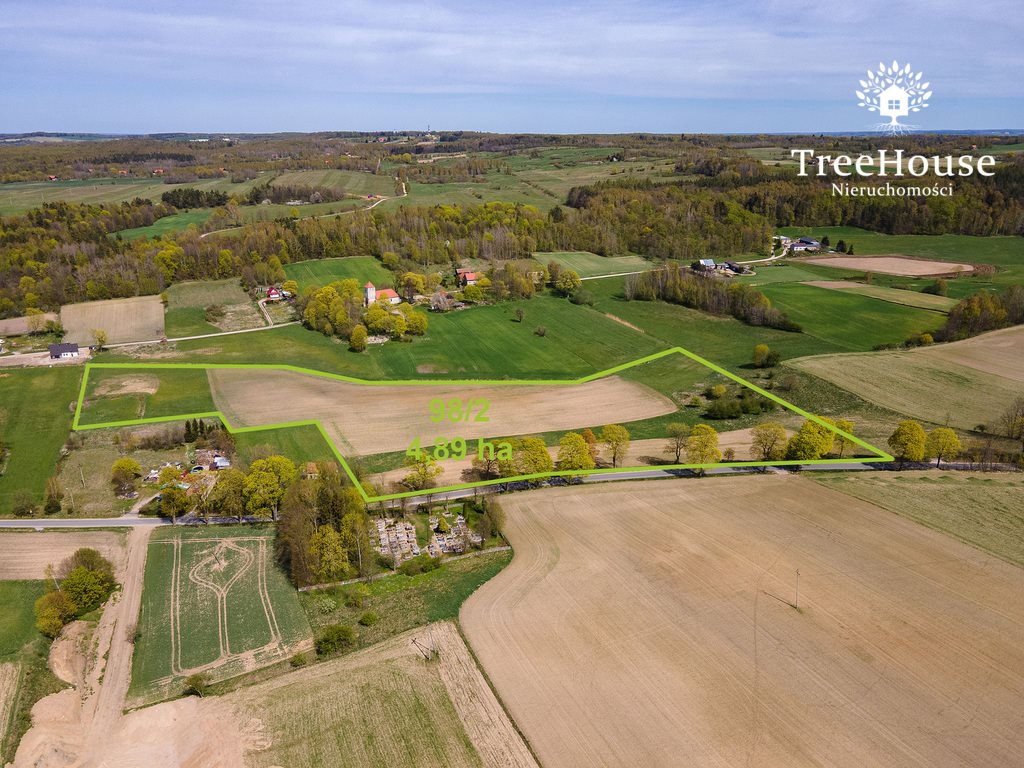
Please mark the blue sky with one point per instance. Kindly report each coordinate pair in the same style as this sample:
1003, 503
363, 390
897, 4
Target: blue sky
716, 66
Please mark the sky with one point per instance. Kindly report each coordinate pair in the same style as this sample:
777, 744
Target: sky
688, 66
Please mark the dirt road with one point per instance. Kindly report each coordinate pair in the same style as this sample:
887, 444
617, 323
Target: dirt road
75, 727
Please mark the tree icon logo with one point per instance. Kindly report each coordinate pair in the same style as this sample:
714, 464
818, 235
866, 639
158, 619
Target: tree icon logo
893, 92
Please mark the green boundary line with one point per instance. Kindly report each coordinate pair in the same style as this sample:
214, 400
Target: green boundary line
879, 455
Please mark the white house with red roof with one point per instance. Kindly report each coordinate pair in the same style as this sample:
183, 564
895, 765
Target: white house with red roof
373, 295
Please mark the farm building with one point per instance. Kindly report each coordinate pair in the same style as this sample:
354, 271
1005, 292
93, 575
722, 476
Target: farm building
373, 295
273, 294
63, 351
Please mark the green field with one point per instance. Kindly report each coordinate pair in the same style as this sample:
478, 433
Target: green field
902, 297
483, 342
21, 196
168, 224
404, 602
115, 395
17, 620
26, 650
1004, 252
849, 320
214, 600
982, 509
35, 418
586, 264
300, 444
323, 271
355, 183
187, 302
494, 187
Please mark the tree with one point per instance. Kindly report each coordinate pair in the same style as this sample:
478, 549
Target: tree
616, 437
377, 319
768, 441
290, 286
812, 441
413, 284
574, 453
678, 434
228, 496
100, 337
765, 357
53, 610
327, 554
702, 446
87, 589
416, 323
424, 471
54, 493
908, 442
840, 443
942, 443
197, 684
334, 638
266, 483
568, 283
529, 457
123, 473
88, 558
591, 440
357, 339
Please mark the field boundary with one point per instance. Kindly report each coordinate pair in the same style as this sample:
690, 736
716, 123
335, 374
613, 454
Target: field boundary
879, 455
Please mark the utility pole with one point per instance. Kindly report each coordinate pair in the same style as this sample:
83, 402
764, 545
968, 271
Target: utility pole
796, 601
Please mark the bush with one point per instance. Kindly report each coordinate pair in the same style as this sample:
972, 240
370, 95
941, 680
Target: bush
724, 409
334, 638
582, 297
324, 605
53, 610
299, 660
23, 504
197, 685
89, 558
87, 589
356, 595
541, 331
420, 564
368, 619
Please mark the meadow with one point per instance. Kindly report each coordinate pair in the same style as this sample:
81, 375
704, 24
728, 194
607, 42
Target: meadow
357, 183
187, 303
985, 510
168, 225
850, 320
114, 395
893, 295
483, 342
320, 272
24, 675
214, 601
22, 196
36, 406
586, 264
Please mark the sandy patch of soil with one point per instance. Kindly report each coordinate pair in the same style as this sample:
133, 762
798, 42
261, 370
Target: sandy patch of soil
892, 265
127, 385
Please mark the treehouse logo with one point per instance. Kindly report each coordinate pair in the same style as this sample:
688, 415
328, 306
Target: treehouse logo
894, 92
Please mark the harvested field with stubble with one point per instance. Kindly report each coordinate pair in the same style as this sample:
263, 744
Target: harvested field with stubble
27, 553
9, 673
891, 265
385, 705
140, 318
367, 419
651, 624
